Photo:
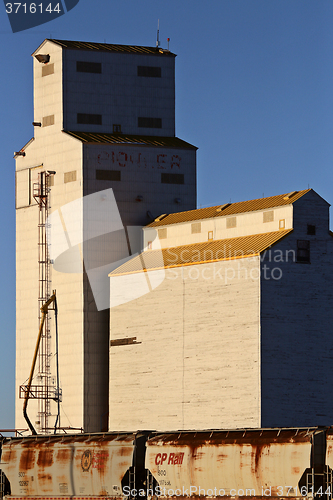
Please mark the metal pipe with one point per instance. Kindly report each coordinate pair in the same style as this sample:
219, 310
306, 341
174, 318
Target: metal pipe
57, 422
44, 310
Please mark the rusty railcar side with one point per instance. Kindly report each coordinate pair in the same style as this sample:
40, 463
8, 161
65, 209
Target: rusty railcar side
67, 466
251, 463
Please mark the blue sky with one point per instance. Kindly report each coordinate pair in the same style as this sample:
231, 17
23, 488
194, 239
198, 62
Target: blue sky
254, 83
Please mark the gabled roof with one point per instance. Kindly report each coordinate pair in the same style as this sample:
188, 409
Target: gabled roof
135, 140
229, 209
107, 47
201, 253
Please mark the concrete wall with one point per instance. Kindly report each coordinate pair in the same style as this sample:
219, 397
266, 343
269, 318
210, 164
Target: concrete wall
140, 168
60, 92
47, 154
296, 324
48, 91
195, 363
140, 175
118, 93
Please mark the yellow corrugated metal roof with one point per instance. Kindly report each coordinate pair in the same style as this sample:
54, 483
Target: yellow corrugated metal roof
135, 140
109, 47
230, 209
200, 253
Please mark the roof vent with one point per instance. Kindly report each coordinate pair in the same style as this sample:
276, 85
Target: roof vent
158, 219
222, 207
290, 195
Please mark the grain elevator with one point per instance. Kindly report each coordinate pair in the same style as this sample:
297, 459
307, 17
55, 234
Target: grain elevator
104, 117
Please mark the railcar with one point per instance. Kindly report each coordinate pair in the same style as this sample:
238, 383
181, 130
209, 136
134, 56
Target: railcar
259, 463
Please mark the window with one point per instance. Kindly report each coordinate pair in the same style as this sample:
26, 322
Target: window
210, 235
311, 229
231, 222
282, 223
196, 228
303, 251
88, 67
153, 71
89, 119
48, 120
146, 122
172, 178
48, 69
108, 175
116, 128
268, 216
162, 233
70, 176
150, 245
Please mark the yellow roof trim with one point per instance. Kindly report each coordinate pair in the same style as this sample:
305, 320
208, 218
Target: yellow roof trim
184, 264
231, 248
230, 209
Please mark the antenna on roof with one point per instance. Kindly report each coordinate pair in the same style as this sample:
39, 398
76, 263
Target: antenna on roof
158, 35
168, 40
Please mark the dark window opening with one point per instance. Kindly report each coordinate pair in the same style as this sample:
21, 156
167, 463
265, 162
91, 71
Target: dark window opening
311, 229
149, 122
108, 175
172, 178
154, 71
303, 251
89, 119
116, 128
88, 67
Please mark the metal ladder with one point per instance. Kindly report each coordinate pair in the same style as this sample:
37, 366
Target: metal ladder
150, 485
329, 482
310, 484
325, 483
131, 478
2, 484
